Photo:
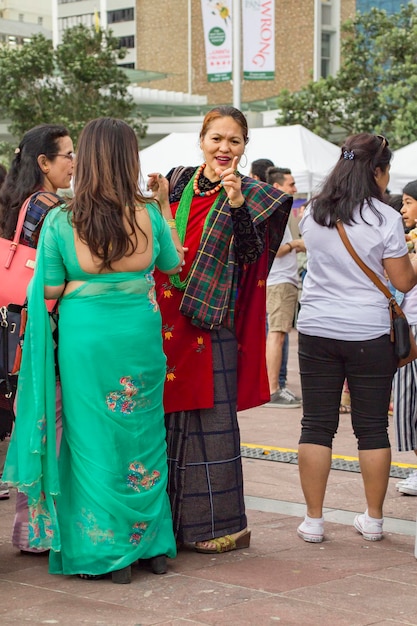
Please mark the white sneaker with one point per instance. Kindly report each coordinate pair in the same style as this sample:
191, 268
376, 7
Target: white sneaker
292, 394
281, 399
409, 486
311, 529
402, 482
369, 527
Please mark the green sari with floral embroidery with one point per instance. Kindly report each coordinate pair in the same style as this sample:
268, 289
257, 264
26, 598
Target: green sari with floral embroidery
102, 504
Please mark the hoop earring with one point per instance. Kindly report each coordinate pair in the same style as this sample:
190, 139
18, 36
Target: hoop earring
246, 160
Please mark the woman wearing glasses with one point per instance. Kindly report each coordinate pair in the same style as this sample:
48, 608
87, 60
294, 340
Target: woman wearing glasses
42, 164
344, 327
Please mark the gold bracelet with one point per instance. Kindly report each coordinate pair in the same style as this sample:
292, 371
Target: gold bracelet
171, 223
235, 206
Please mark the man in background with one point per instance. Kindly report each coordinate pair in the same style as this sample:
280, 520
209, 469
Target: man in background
282, 298
259, 169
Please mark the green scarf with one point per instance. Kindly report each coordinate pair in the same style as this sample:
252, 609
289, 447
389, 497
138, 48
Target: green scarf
181, 221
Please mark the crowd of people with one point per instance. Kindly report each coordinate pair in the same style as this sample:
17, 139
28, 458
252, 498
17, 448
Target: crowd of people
126, 442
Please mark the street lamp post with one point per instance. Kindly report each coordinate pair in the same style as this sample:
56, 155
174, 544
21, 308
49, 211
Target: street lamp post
236, 65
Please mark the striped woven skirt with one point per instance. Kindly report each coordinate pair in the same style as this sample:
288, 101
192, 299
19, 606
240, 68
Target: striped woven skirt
205, 481
405, 405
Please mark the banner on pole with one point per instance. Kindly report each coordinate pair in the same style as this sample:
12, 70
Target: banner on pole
258, 18
217, 25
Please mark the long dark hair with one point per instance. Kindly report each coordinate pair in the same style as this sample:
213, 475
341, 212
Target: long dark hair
25, 176
352, 181
106, 191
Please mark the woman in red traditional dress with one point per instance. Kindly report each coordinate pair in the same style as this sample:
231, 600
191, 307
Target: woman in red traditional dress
213, 317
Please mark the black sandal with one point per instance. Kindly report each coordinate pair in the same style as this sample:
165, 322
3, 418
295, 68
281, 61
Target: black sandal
119, 576
159, 564
122, 576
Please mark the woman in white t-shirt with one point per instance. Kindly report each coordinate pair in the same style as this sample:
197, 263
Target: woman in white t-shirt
344, 327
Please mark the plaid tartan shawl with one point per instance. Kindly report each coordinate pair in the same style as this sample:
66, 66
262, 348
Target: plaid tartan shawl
209, 298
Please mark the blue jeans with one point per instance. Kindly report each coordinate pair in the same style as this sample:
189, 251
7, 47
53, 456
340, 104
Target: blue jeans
368, 366
283, 371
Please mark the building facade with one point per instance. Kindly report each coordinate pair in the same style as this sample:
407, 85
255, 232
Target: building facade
21, 19
170, 39
27, 12
167, 38
117, 15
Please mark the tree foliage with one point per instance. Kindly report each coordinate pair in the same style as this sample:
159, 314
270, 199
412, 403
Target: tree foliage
375, 86
78, 81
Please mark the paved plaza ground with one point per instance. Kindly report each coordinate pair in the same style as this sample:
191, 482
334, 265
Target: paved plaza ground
280, 579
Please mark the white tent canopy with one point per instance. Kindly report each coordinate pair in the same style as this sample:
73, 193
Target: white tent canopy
309, 157
403, 167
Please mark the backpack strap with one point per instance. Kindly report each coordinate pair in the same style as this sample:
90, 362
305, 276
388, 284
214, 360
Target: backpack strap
40, 204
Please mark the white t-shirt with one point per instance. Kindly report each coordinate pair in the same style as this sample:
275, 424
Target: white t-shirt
338, 299
409, 305
285, 268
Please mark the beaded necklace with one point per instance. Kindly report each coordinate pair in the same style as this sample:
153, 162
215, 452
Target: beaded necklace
181, 221
197, 191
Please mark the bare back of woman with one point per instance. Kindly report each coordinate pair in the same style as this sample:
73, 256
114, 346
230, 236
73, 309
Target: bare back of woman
136, 262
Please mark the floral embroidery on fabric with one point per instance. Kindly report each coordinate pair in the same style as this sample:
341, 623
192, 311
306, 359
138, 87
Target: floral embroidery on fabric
122, 400
41, 425
167, 290
138, 531
167, 330
261, 282
88, 526
139, 477
149, 277
152, 299
170, 373
40, 527
152, 291
198, 345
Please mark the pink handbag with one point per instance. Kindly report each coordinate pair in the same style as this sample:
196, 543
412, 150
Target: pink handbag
17, 263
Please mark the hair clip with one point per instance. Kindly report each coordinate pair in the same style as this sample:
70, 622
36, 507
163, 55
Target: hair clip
17, 151
384, 142
348, 155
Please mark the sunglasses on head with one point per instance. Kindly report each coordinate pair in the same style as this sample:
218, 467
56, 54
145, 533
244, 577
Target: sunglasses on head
384, 142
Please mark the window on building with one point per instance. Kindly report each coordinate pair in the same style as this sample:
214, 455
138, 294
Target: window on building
21, 17
328, 42
326, 14
121, 15
127, 42
40, 21
74, 20
325, 54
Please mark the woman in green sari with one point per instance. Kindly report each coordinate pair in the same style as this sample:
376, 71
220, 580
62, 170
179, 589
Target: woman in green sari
102, 505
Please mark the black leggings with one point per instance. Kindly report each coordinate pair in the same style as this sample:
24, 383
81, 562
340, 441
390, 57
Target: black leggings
368, 366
